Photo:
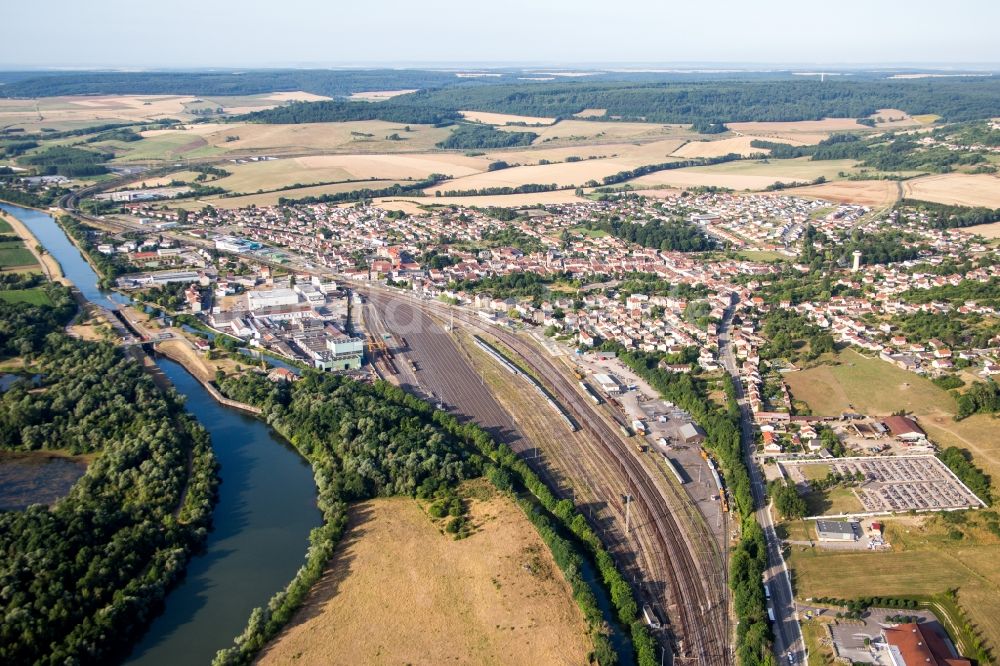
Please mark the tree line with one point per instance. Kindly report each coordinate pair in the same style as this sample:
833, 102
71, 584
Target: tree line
474, 136
672, 235
375, 440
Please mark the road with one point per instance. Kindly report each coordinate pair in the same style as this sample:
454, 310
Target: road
787, 631
657, 552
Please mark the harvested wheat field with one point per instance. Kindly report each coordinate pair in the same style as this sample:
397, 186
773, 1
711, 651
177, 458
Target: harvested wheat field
271, 198
806, 126
498, 200
591, 113
956, 188
989, 231
379, 95
737, 144
369, 136
893, 118
746, 175
863, 192
271, 174
578, 131
399, 591
504, 118
642, 153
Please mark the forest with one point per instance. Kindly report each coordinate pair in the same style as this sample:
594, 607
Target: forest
82, 579
728, 101
674, 235
374, 440
792, 336
478, 137
67, 161
342, 111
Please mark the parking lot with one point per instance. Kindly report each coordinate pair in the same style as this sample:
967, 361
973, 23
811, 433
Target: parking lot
904, 483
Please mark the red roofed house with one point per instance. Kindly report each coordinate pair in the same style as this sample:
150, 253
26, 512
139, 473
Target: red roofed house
904, 428
913, 644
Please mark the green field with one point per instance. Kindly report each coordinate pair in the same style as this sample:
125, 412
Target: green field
32, 296
924, 560
16, 257
5, 227
763, 255
872, 386
832, 502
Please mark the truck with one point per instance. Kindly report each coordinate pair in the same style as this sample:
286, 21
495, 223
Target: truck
770, 614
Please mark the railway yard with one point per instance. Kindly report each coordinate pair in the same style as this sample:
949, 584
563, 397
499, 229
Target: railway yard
644, 516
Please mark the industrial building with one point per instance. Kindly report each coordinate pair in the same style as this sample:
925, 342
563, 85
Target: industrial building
691, 434
837, 530
607, 383
258, 300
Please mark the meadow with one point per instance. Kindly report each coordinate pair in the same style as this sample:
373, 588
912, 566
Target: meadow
399, 590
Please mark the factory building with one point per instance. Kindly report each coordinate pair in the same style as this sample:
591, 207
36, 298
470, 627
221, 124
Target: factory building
258, 300
836, 530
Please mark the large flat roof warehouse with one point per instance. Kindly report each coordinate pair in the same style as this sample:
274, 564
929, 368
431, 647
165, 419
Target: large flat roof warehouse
836, 530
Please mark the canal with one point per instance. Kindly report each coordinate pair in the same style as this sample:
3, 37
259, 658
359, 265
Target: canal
266, 508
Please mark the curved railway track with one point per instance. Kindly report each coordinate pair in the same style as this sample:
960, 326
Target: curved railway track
698, 609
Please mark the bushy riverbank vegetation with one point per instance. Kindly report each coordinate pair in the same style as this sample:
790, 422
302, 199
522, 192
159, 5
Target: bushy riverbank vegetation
80, 580
376, 440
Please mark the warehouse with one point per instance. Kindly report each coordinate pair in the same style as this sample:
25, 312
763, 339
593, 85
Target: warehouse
836, 530
607, 383
691, 434
257, 300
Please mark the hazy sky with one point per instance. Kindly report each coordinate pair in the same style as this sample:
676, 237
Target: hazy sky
245, 33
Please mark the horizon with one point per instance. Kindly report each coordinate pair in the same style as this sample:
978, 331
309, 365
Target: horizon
305, 33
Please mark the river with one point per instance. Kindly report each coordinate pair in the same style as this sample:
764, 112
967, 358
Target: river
267, 504
74, 266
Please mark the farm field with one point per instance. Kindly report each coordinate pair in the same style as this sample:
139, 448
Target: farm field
864, 192
271, 174
251, 138
271, 198
16, 258
412, 205
379, 95
32, 296
746, 175
71, 112
956, 188
504, 118
400, 591
990, 231
578, 131
824, 126
872, 386
717, 148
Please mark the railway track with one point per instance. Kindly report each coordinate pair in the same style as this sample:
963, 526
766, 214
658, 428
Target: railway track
698, 609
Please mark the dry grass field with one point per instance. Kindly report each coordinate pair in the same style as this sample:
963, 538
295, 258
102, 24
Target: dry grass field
379, 95
353, 137
737, 144
271, 198
956, 188
746, 175
924, 560
505, 200
824, 126
990, 231
70, 112
591, 113
504, 118
864, 192
398, 591
271, 174
893, 119
578, 131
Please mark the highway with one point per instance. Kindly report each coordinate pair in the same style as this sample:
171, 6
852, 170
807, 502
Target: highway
657, 552
787, 630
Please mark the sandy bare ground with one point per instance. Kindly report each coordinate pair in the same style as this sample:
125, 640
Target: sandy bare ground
956, 188
504, 118
398, 591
